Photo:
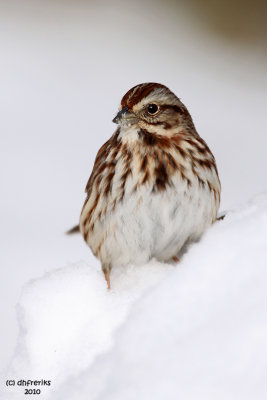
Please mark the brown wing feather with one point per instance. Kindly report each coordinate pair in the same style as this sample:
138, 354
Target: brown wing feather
101, 158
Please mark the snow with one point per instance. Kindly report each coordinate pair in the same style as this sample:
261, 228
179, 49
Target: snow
196, 330
66, 68
70, 315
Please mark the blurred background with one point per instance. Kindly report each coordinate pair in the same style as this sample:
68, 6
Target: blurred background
65, 66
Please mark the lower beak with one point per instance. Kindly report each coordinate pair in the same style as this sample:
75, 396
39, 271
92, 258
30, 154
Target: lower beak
125, 117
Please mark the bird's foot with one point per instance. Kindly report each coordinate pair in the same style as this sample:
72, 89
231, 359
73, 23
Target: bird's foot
107, 277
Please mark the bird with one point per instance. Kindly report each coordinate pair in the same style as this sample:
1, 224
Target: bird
154, 187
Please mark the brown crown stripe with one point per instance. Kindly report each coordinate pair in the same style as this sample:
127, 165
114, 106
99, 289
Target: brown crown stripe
137, 93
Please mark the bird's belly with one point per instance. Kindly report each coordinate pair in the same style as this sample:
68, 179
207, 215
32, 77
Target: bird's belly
146, 225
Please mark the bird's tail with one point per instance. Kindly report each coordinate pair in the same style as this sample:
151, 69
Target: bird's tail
75, 229
221, 215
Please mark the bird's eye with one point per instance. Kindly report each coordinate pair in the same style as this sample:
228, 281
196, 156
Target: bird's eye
152, 109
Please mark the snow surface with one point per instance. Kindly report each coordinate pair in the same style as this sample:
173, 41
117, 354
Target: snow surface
66, 66
194, 331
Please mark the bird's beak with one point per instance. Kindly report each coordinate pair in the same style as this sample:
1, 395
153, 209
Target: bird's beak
125, 117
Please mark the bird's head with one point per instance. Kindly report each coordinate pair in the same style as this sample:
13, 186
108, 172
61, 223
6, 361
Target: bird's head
152, 104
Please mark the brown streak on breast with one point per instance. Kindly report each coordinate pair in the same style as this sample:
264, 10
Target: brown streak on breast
172, 161
203, 163
127, 172
153, 139
180, 150
127, 169
161, 178
211, 188
143, 164
202, 150
109, 179
145, 177
123, 179
200, 182
165, 163
135, 188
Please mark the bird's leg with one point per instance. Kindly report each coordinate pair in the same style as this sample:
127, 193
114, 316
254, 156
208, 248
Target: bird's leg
175, 259
106, 273
106, 270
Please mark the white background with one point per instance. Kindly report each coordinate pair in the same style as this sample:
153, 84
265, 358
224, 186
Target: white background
64, 67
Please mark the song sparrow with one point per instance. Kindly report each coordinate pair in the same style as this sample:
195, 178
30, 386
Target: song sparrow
154, 186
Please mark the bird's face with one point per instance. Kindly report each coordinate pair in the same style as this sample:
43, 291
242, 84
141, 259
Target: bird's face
150, 104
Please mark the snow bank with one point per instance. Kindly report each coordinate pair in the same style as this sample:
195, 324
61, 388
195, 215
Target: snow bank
197, 331
68, 317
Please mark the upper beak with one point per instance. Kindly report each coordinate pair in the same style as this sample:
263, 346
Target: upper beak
125, 117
